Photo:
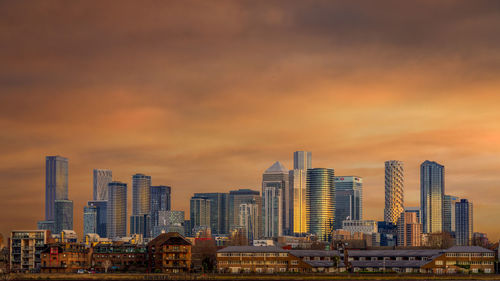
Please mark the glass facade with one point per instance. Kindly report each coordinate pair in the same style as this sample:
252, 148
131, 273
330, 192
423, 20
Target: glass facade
64, 215
298, 184
218, 211
302, 160
394, 191
464, 223
102, 216
236, 198
89, 220
117, 210
449, 213
102, 178
200, 212
348, 199
321, 202
160, 201
277, 176
431, 196
56, 183
140, 224
273, 209
249, 220
141, 196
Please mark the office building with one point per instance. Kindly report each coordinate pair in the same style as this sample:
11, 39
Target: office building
449, 213
409, 230
273, 210
276, 177
47, 225
56, 183
25, 248
141, 197
320, 202
238, 197
102, 178
394, 190
431, 196
302, 160
89, 219
64, 215
161, 198
140, 224
200, 212
415, 210
360, 226
169, 221
464, 223
298, 186
348, 199
219, 211
249, 220
116, 225
102, 216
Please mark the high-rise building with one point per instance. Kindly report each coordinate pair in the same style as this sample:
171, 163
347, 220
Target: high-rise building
449, 213
348, 199
56, 183
394, 190
415, 210
431, 196
140, 224
102, 216
273, 210
47, 225
160, 201
116, 225
236, 198
321, 202
219, 211
141, 197
277, 177
102, 178
169, 221
249, 220
302, 160
409, 230
89, 219
298, 186
64, 215
200, 212
464, 223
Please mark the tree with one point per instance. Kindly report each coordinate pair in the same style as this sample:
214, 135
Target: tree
440, 240
238, 238
107, 265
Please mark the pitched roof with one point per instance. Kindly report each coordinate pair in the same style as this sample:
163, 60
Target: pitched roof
172, 238
252, 249
277, 167
313, 253
467, 249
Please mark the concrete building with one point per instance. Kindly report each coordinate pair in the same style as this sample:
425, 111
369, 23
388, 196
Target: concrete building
161, 198
102, 216
431, 196
394, 190
409, 230
276, 178
238, 197
249, 219
169, 253
116, 225
64, 257
348, 199
25, 248
464, 222
200, 212
320, 202
101, 179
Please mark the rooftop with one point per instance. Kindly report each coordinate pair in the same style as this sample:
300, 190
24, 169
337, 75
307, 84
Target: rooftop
252, 249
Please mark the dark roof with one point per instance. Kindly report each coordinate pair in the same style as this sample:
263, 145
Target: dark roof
393, 253
467, 249
171, 238
389, 263
252, 249
313, 253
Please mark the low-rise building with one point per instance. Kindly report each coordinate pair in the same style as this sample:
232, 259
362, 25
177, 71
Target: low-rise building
64, 258
25, 248
119, 256
463, 259
169, 253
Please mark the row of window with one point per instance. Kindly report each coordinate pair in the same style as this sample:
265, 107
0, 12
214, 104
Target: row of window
252, 254
249, 262
467, 255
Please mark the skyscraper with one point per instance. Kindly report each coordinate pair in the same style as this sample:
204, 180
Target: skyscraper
273, 210
464, 223
236, 198
298, 186
302, 160
199, 209
160, 201
117, 210
141, 196
348, 199
56, 183
431, 196
140, 224
64, 215
169, 221
102, 215
276, 177
219, 211
449, 213
102, 178
415, 210
321, 202
89, 219
249, 220
394, 191
409, 230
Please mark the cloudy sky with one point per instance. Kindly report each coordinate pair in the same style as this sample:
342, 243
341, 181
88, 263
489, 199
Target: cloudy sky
204, 96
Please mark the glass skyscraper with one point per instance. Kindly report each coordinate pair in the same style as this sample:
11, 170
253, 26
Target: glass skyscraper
141, 196
449, 213
102, 178
348, 199
298, 186
302, 160
464, 223
160, 201
394, 191
89, 219
321, 202
219, 211
431, 196
199, 209
140, 224
236, 198
273, 209
117, 210
64, 215
102, 216
56, 183
277, 177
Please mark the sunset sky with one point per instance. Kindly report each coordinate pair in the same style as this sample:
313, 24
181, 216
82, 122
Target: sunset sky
206, 95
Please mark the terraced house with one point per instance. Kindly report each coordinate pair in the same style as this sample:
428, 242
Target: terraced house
64, 258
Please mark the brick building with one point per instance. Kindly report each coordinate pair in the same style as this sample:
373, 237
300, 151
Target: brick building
64, 258
169, 253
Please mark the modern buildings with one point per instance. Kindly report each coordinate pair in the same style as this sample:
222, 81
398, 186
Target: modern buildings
102, 216
394, 190
25, 248
161, 198
169, 221
363, 226
298, 186
276, 177
89, 219
415, 210
464, 223
140, 224
236, 198
449, 213
141, 196
302, 160
320, 202
200, 212
409, 230
116, 225
47, 225
348, 199
431, 196
102, 177
272, 199
56, 183
219, 211
249, 219
64, 215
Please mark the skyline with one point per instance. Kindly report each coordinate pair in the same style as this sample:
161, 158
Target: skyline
206, 99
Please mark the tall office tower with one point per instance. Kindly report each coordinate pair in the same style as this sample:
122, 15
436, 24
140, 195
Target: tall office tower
218, 211
249, 219
409, 230
298, 185
64, 215
102, 178
56, 183
140, 224
464, 223
237, 197
160, 201
449, 213
199, 209
415, 210
321, 202
102, 216
169, 221
302, 160
277, 176
188, 230
394, 190
47, 225
89, 219
431, 196
272, 202
116, 225
141, 196
348, 199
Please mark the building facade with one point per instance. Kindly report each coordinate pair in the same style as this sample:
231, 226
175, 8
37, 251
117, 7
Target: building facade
116, 225
161, 197
276, 177
65, 258
363, 226
141, 196
169, 221
169, 253
199, 212
64, 215
302, 160
89, 219
272, 199
102, 216
238, 197
101, 179
348, 199
320, 202
25, 249
431, 196
449, 213
219, 211
249, 220
298, 186
56, 183
409, 230
464, 222
394, 190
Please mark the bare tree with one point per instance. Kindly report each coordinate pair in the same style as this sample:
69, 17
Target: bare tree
107, 265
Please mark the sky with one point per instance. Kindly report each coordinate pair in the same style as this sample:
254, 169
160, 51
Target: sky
205, 96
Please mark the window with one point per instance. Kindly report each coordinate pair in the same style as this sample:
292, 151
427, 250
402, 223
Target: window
439, 262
